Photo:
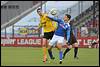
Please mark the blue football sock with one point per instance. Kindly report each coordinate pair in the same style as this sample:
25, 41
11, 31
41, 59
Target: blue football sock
50, 53
60, 55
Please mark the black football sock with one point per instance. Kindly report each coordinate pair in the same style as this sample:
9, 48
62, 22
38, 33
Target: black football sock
75, 51
66, 51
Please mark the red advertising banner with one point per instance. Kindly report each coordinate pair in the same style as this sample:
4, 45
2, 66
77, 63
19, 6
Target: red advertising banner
86, 41
30, 41
37, 41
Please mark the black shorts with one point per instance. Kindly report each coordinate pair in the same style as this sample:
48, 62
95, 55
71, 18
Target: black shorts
72, 39
48, 35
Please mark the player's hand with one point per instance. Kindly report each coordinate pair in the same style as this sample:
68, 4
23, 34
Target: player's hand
67, 42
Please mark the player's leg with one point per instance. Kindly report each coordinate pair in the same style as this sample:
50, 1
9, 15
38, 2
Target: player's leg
44, 49
50, 52
74, 42
59, 46
60, 43
46, 37
75, 50
50, 45
69, 46
67, 50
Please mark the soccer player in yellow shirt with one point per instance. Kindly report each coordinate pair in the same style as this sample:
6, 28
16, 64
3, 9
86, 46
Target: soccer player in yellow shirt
48, 29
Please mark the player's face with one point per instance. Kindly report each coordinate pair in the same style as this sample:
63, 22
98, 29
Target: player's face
66, 18
39, 12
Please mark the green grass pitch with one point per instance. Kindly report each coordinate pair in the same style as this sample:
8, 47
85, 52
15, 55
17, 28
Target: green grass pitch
31, 56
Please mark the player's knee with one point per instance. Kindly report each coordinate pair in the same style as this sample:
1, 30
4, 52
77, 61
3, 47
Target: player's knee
44, 45
49, 47
70, 46
76, 44
44, 42
59, 49
59, 46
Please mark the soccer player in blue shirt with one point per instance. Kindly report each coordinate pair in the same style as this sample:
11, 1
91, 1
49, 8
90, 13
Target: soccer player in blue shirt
58, 37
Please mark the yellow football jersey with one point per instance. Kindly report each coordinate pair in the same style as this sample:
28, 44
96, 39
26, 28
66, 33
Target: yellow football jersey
47, 24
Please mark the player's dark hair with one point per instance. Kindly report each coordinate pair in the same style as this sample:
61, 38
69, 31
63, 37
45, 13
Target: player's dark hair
39, 9
69, 16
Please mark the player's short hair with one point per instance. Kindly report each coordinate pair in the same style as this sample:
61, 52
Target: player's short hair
69, 16
39, 9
